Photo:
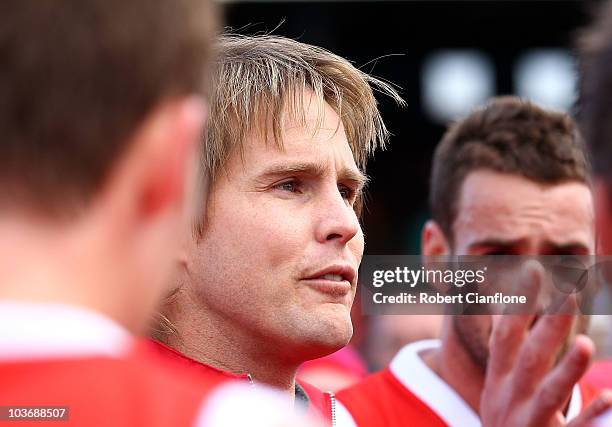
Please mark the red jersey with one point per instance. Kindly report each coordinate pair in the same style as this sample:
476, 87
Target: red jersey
319, 404
81, 365
409, 393
70, 357
600, 374
102, 391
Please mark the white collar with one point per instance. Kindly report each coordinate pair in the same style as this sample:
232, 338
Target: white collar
414, 374
45, 331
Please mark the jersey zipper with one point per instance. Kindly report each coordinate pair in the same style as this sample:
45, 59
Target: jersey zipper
332, 407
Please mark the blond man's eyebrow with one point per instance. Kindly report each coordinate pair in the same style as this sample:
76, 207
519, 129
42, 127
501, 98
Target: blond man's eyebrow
299, 168
354, 176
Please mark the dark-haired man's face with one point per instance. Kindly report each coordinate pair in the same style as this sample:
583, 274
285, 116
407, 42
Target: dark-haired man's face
504, 214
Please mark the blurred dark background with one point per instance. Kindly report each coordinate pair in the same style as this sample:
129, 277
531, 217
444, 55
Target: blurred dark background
474, 50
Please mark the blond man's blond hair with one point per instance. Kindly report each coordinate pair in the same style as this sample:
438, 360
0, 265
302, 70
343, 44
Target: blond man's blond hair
258, 77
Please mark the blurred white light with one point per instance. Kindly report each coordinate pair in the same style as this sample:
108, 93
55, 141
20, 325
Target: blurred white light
547, 77
454, 82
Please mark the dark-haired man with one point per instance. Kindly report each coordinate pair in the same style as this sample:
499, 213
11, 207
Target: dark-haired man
509, 179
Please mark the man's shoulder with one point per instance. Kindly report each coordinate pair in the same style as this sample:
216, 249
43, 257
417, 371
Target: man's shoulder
101, 391
373, 387
173, 359
380, 399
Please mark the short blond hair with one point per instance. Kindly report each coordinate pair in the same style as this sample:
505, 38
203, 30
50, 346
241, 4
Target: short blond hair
257, 77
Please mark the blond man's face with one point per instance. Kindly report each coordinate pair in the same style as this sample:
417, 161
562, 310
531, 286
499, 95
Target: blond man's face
282, 243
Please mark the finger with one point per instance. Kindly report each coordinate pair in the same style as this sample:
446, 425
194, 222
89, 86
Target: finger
597, 407
555, 389
540, 350
529, 285
510, 331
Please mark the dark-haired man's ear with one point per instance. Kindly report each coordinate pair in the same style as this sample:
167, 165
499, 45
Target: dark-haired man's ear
433, 240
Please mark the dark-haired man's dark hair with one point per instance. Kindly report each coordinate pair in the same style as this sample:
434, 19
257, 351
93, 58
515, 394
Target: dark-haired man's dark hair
77, 77
508, 135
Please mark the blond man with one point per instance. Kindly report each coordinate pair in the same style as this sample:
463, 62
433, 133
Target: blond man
269, 279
